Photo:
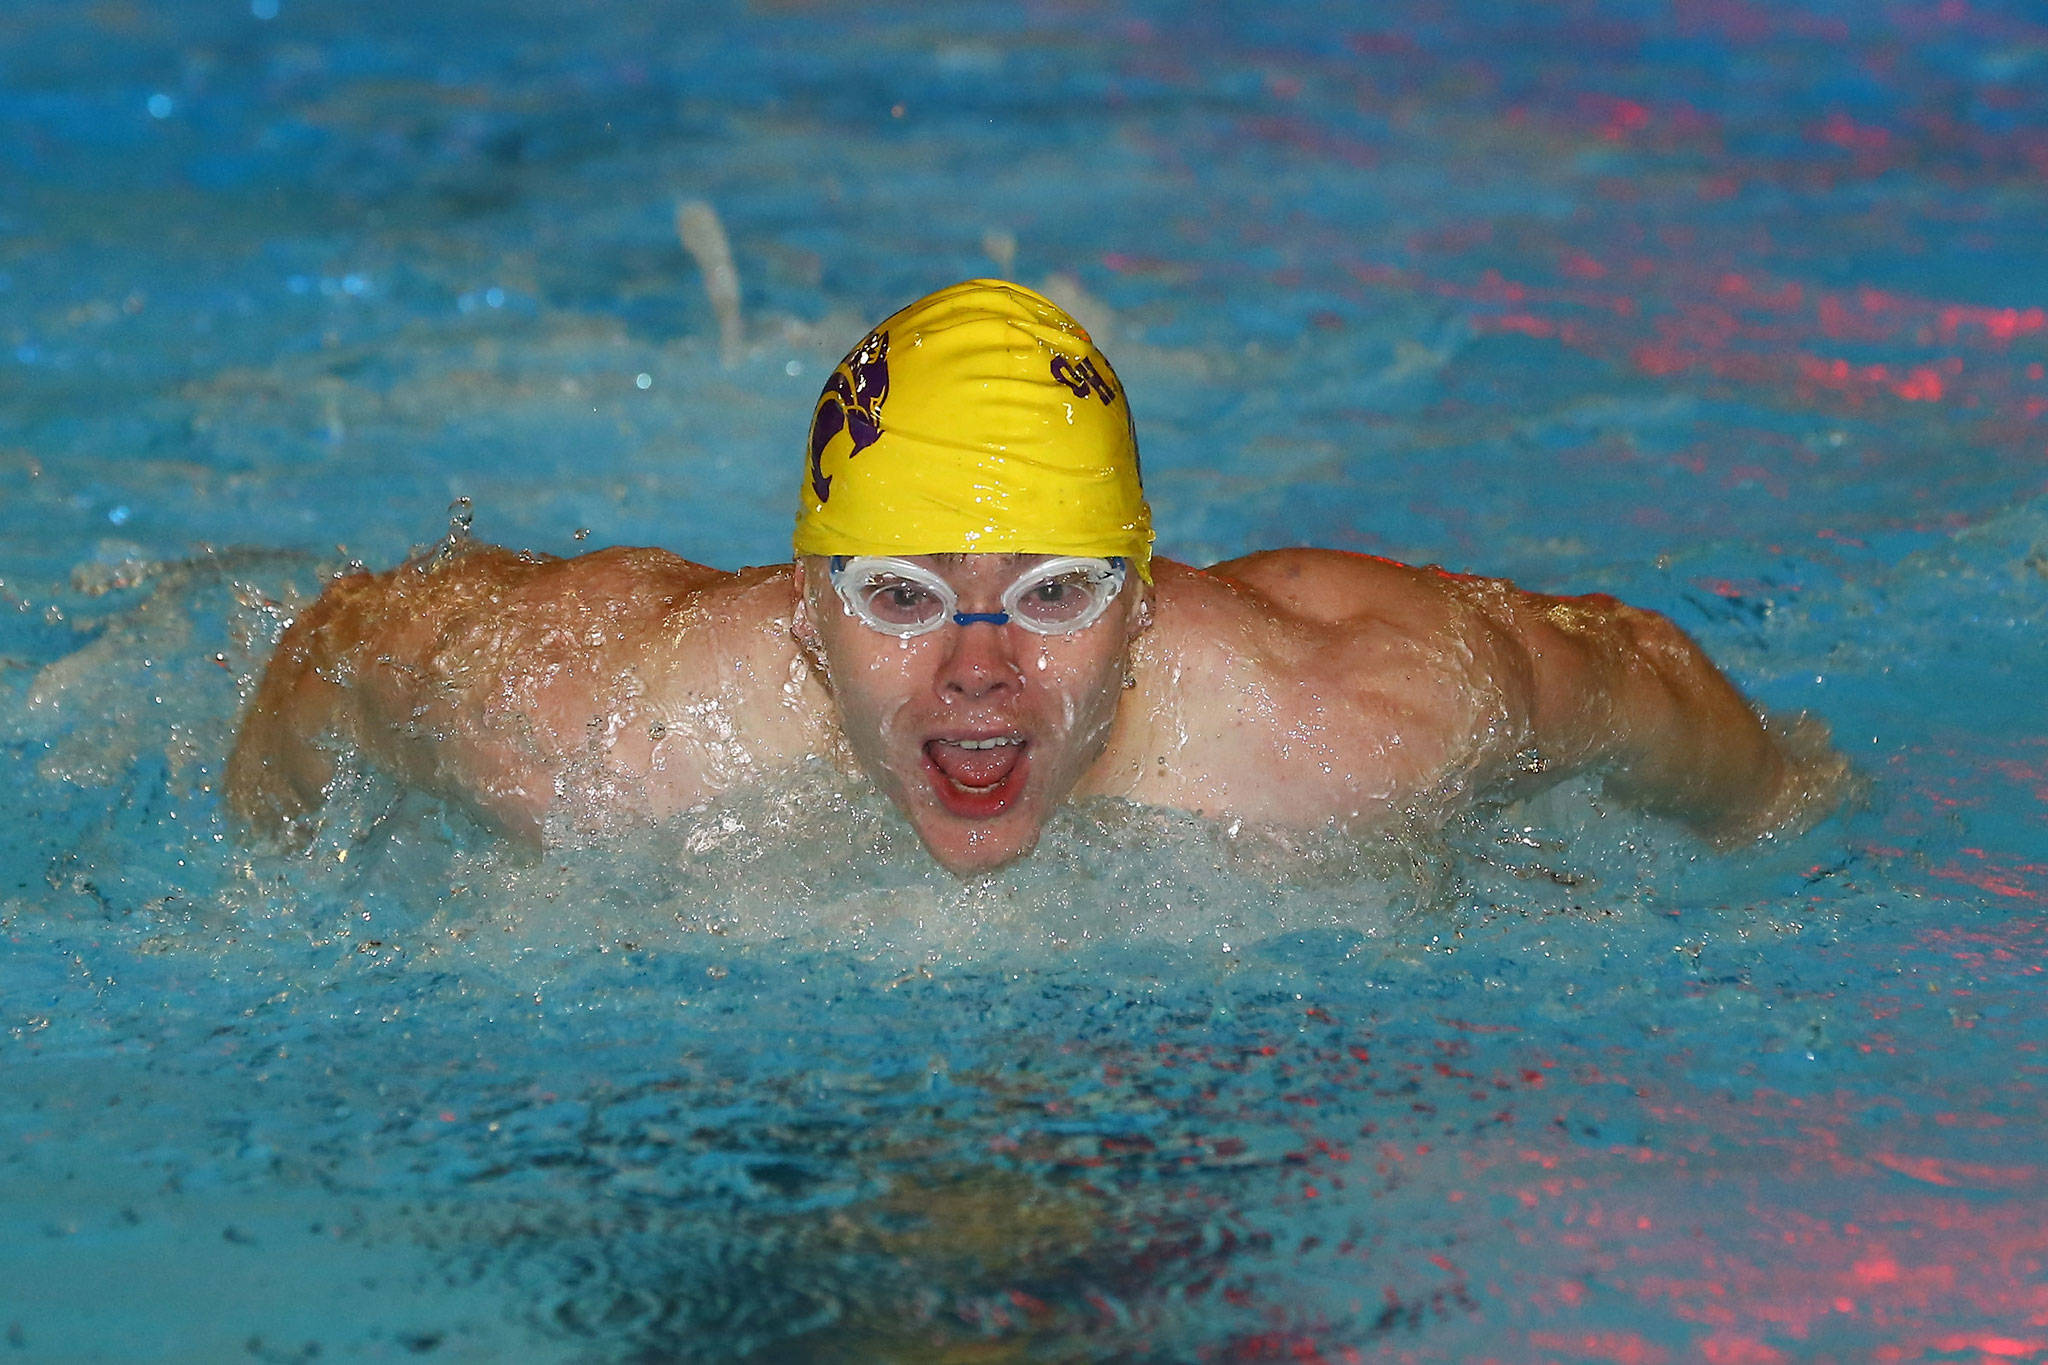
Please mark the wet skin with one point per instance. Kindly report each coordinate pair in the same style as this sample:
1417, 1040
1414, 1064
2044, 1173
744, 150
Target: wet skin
560, 698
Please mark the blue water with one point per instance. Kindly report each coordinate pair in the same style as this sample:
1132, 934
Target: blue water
1734, 310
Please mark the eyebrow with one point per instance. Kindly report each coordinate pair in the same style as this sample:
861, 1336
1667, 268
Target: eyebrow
951, 557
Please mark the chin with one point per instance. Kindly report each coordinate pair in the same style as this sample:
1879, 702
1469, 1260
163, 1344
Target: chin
965, 849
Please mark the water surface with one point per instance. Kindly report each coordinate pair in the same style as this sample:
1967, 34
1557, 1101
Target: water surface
1733, 310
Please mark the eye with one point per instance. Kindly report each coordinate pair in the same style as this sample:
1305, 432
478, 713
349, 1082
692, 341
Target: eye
1062, 598
900, 602
904, 597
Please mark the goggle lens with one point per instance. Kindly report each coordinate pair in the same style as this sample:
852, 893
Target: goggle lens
1064, 596
890, 601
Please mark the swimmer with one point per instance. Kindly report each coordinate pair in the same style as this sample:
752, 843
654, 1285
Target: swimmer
975, 623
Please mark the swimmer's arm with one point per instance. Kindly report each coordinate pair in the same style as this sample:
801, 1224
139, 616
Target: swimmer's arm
364, 671
284, 754
1625, 693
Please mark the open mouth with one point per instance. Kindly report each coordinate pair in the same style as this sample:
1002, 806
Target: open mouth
977, 778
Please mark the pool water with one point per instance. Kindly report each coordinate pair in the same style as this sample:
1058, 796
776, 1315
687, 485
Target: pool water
1734, 310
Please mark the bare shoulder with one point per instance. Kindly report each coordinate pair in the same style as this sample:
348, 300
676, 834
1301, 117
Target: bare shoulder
1334, 587
1308, 607
522, 589
1303, 685
525, 684
1310, 684
627, 665
1359, 598
520, 615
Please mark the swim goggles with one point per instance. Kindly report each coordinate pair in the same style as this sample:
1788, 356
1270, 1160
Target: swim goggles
897, 597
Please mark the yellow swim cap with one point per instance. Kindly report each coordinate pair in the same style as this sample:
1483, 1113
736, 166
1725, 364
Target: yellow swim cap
980, 419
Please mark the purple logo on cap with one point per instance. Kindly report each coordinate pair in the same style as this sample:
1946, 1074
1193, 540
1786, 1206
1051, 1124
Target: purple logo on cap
852, 402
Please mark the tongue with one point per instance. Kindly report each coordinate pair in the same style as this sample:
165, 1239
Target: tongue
973, 767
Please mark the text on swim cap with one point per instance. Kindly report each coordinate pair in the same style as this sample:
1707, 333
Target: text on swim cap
1083, 378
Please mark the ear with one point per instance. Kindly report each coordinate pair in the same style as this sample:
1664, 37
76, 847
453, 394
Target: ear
802, 627
800, 624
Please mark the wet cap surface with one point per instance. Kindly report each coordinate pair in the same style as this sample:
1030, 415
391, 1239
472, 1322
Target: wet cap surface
980, 419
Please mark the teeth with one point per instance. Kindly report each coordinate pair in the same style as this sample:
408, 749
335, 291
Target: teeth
999, 742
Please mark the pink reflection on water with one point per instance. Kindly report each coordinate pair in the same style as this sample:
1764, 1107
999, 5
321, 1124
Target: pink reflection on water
1744, 327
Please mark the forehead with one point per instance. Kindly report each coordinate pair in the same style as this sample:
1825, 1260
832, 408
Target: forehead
974, 566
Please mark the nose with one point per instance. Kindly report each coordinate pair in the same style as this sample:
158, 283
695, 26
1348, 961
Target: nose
980, 662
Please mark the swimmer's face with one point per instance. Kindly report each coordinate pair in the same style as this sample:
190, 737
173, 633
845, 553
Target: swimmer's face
976, 732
